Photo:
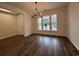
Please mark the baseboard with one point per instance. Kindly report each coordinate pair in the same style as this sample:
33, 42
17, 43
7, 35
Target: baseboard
27, 35
13, 35
51, 33
7, 36
48, 35
73, 43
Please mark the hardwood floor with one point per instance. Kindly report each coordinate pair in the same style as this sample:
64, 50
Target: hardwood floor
37, 45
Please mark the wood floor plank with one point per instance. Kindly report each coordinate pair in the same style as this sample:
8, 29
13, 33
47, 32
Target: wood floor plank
37, 45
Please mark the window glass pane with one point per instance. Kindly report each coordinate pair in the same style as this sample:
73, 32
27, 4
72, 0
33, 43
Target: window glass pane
54, 22
39, 24
46, 22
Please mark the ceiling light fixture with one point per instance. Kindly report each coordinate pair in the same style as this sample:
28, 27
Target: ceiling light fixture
36, 13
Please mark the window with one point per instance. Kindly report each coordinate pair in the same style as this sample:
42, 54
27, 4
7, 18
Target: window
47, 24
39, 23
54, 22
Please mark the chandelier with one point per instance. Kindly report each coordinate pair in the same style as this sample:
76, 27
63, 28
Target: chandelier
36, 13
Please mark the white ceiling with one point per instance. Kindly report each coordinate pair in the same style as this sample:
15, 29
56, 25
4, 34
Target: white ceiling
42, 6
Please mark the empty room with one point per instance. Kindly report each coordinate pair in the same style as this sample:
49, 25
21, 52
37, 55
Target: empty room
39, 29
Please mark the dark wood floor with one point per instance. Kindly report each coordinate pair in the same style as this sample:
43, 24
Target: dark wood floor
37, 45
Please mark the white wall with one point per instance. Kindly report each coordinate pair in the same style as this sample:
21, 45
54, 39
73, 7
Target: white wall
26, 19
7, 25
20, 24
61, 22
27, 24
73, 23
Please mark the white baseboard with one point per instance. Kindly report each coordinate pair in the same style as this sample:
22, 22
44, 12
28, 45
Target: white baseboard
51, 34
7, 36
73, 42
27, 35
13, 35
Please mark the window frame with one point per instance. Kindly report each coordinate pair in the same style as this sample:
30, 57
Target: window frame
56, 22
50, 19
42, 23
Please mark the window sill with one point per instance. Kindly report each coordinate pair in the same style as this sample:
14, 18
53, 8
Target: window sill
47, 31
